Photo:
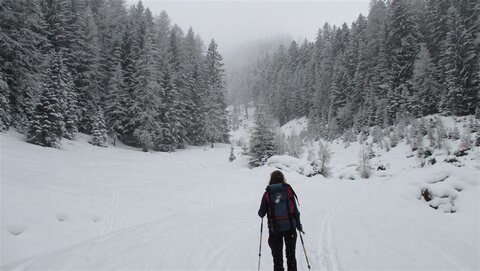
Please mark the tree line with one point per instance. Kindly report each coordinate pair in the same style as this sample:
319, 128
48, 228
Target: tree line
100, 68
405, 60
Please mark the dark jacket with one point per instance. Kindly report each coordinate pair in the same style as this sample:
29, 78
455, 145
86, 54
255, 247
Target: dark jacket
276, 204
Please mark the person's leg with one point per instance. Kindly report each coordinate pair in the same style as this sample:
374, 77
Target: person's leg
290, 244
275, 241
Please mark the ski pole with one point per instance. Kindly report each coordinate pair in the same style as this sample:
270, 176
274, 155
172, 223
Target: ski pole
260, 249
304, 250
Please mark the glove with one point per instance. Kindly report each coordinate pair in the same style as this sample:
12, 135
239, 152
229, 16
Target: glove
300, 228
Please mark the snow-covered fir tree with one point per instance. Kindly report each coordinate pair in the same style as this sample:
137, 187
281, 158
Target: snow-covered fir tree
262, 141
394, 64
47, 127
99, 130
115, 112
216, 122
71, 107
23, 45
4, 105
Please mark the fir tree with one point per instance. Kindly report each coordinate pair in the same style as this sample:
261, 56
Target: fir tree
195, 86
85, 75
147, 95
262, 142
425, 85
71, 107
4, 105
403, 46
22, 45
216, 122
99, 131
167, 141
115, 112
48, 125
461, 74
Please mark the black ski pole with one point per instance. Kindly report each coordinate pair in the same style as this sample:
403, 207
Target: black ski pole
260, 249
304, 251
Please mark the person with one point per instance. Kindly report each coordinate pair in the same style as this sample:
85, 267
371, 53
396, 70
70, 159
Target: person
278, 203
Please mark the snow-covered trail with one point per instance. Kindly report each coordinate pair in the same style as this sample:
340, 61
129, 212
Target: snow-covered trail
193, 210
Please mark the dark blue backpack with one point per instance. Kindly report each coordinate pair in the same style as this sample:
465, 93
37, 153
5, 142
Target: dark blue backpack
281, 207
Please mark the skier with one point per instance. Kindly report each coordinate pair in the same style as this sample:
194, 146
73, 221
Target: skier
278, 203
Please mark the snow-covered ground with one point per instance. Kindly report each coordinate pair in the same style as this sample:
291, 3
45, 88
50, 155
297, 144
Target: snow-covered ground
85, 207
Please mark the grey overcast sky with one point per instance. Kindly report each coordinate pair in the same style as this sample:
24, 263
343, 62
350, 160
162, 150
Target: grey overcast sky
232, 23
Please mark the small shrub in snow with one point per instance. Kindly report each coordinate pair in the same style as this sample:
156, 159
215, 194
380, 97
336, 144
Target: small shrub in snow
461, 152
364, 163
402, 129
408, 139
416, 136
370, 153
427, 153
420, 153
454, 161
386, 145
432, 161
473, 125
466, 141
430, 136
349, 137
453, 133
422, 127
440, 128
394, 139
477, 139
232, 156
324, 156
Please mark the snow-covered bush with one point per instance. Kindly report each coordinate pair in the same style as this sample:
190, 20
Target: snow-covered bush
473, 125
386, 145
422, 126
453, 133
466, 141
364, 162
440, 128
394, 138
324, 156
430, 136
348, 137
401, 129
232, 156
290, 164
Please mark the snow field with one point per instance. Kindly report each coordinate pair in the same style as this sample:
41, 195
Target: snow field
85, 207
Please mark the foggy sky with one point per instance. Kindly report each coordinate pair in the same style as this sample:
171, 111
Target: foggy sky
232, 23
